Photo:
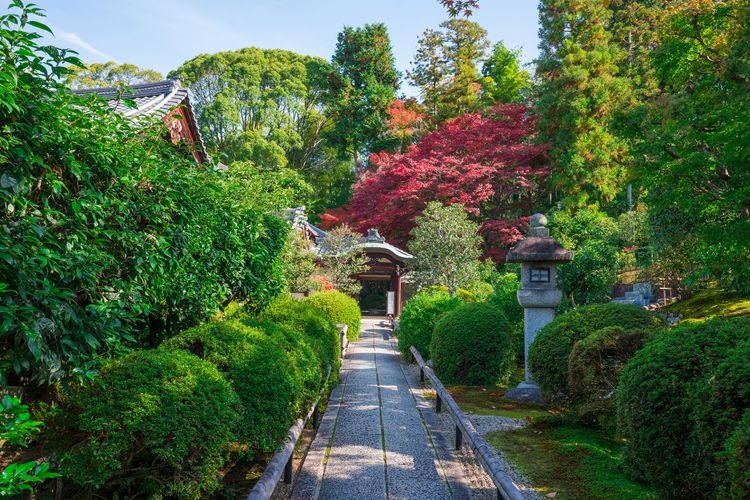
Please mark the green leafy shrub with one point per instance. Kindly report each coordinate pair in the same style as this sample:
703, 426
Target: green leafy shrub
549, 354
319, 330
271, 368
340, 308
419, 317
112, 236
737, 455
156, 422
504, 297
594, 370
471, 345
680, 400
17, 427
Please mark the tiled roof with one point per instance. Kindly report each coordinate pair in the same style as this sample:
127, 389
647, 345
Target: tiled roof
151, 99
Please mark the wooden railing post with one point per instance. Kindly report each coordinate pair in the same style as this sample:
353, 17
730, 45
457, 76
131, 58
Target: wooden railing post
486, 456
288, 471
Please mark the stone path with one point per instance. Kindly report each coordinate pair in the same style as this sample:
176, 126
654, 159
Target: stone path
372, 442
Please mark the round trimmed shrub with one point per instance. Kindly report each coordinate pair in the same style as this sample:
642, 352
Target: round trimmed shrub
419, 317
471, 345
505, 297
340, 308
155, 422
320, 332
680, 400
594, 371
549, 354
273, 371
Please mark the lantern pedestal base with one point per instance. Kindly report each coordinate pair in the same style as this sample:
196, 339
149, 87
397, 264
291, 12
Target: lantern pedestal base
525, 393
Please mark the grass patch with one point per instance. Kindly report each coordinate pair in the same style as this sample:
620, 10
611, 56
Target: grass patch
489, 400
710, 303
572, 461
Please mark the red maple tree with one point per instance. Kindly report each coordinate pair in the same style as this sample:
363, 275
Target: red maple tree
488, 161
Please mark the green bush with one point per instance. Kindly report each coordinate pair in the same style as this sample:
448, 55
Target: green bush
319, 330
680, 400
594, 371
111, 235
505, 298
155, 423
471, 345
419, 317
340, 308
549, 354
272, 369
737, 455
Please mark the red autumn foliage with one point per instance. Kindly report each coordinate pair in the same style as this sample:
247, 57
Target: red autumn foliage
403, 118
487, 161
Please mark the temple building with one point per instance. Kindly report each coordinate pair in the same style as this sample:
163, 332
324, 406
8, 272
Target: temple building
383, 283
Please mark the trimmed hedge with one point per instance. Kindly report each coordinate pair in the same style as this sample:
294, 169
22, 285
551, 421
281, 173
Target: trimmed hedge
419, 317
273, 371
549, 354
340, 308
681, 401
594, 371
156, 423
320, 332
471, 345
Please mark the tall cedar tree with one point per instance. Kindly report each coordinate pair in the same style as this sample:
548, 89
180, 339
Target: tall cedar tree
446, 68
362, 84
579, 95
487, 161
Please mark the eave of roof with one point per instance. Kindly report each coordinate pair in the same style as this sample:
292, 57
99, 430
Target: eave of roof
152, 99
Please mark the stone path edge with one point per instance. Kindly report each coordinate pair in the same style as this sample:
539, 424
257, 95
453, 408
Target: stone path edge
307, 485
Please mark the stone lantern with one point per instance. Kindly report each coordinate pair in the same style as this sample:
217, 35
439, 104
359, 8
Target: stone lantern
539, 256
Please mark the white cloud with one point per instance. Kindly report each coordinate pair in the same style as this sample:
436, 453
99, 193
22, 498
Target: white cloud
82, 46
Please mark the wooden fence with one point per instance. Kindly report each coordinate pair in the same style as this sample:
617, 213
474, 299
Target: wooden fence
465, 432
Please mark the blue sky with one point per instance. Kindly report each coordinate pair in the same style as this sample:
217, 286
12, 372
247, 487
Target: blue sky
161, 34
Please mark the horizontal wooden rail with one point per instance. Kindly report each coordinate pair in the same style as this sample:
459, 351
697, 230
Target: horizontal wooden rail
465, 432
281, 462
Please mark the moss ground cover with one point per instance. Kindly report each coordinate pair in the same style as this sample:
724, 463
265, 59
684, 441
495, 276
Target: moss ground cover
489, 400
711, 303
573, 461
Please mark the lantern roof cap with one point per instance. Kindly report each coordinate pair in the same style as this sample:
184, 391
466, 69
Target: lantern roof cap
538, 246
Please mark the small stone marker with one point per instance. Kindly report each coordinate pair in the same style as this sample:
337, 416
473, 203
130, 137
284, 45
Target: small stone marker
539, 256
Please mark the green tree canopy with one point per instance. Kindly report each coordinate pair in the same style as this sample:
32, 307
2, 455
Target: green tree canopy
259, 105
446, 68
447, 247
109, 74
504, 79
695, 145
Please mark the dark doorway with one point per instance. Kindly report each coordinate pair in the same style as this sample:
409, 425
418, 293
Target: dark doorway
372, 298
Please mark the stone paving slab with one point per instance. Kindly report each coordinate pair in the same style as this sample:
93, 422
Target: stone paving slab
376, 444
